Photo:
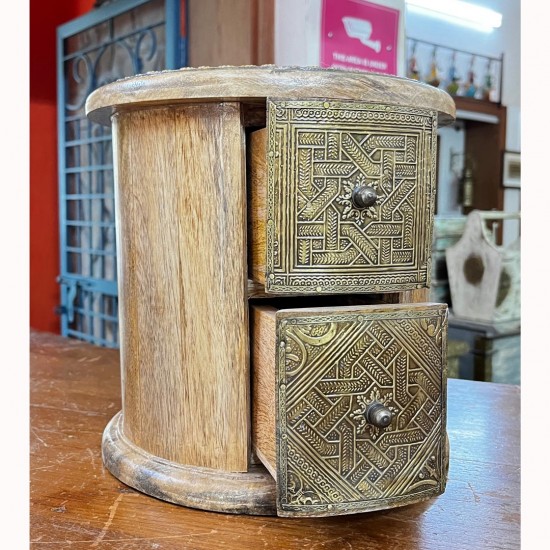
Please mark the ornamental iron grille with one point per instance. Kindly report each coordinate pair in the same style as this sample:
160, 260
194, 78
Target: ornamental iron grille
118, 39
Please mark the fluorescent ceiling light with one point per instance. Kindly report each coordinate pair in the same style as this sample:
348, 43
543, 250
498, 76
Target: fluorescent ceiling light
457, 11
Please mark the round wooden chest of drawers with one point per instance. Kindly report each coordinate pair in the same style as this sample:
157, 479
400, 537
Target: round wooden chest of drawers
274, 231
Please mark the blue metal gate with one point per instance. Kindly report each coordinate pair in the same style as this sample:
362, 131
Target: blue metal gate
118, 39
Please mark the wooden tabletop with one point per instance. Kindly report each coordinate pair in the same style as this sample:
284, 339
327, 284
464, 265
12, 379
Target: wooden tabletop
76, 503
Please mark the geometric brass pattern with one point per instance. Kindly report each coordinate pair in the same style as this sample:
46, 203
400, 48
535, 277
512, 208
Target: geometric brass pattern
318, 240
330, 367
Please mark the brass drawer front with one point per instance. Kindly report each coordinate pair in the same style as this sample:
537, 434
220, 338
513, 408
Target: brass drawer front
318, 239
331, 366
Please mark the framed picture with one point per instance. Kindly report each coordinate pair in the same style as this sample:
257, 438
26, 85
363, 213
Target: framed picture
512, 169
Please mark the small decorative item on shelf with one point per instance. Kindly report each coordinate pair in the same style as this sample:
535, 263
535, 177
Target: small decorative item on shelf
466, 184
453, 84
488, 83
434, 78
471, 88
458, 72
413, 71
467, 189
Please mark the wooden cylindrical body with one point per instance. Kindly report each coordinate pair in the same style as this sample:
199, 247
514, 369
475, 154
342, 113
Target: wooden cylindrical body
181, 261
193, 226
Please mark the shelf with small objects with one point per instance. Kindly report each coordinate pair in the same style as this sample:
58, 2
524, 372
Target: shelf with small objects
460, 73
474, 81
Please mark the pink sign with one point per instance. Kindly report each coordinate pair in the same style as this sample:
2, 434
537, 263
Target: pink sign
359, 35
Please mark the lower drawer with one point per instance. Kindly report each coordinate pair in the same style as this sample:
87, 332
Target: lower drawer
349, 405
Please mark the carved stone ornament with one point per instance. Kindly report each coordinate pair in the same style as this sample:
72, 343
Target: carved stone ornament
351, 190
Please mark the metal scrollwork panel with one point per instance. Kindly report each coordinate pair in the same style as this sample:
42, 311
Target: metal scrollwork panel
320, 237
331, 368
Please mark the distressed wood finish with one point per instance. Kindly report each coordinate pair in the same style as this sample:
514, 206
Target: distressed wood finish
76, 503
227, 33
222, 31
264, 39
407, 296
252, 492
182, 283
414, 296
263, 352
257, 204
253, 84
316, 371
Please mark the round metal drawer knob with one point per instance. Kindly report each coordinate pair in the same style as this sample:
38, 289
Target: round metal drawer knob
363, 196
378, 415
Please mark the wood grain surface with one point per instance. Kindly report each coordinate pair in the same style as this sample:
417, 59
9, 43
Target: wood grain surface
182, 269
255, 83
250, 492
263, 325
264, 31
407, 296
76, 503
221, 30
257, 204
239, 32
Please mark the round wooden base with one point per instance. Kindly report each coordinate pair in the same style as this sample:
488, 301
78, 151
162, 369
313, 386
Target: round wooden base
251, 492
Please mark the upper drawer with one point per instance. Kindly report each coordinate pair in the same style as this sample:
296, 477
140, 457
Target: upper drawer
341, 197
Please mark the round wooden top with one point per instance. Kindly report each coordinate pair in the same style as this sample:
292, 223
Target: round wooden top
251, 84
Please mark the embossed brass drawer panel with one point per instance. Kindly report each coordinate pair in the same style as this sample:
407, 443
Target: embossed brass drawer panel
344, 192
349, 405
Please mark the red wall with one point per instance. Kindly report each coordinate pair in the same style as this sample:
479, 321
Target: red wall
44, 230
